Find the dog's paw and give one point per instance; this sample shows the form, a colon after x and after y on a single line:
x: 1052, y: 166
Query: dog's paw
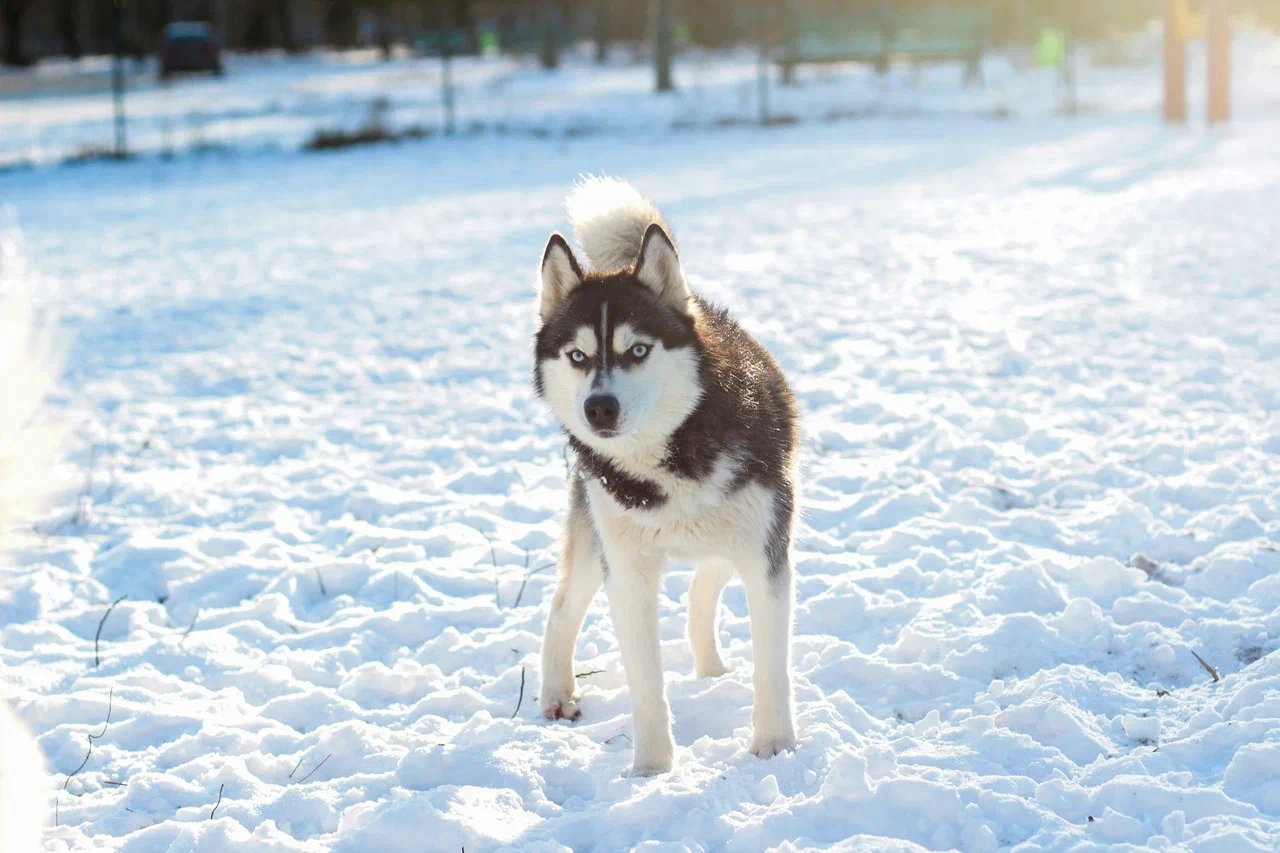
x: 561, y: 708
x: 715, y: 669
x: 767, y: 746
x: 641, y: 771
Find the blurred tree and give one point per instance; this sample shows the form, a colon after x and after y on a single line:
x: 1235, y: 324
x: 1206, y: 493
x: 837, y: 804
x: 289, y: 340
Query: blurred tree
x: 68, y: 24
x: 282, y: 12
x: 257, y: 28
x: 382, y: 13
x: 714, y: 23
x: 340, y: 23
x: 14, y: 17
x: 600, y: 29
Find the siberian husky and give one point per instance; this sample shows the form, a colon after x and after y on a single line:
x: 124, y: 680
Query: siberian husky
x: 683, y: 437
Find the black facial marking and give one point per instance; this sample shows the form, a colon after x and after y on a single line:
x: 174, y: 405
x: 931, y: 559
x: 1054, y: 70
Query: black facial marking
x: 629, y: 302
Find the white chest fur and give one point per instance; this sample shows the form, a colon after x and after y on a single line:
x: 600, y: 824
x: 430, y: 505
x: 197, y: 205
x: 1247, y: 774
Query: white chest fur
x: 699, y: 518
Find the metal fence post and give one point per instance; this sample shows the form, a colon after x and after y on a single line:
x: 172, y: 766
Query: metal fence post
x: 662, y: 38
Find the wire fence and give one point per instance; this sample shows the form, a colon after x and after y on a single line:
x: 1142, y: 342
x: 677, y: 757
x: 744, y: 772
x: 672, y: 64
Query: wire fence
x: 65, y: 112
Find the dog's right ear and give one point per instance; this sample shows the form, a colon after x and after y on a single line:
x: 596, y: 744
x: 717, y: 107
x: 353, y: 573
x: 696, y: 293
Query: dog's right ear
x: 560, y: 275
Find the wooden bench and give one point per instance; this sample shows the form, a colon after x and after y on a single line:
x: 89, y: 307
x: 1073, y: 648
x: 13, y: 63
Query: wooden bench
x: 444, y: 42
x: 881, y: 35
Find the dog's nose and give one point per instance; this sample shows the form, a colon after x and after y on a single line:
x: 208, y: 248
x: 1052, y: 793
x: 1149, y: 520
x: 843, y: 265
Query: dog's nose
x: 601, y: 411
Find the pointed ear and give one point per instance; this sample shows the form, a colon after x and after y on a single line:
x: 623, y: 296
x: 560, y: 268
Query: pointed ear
x: 658, y: 268
x: 560, y: 274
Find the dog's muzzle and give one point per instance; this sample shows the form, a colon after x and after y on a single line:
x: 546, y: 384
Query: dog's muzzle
x: 601, y: 411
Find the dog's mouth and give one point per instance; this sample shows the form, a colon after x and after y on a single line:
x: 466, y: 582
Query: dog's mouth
x: 606, y: 433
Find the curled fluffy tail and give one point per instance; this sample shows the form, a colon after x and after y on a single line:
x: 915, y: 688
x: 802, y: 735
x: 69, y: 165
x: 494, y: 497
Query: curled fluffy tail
x: 609, y: 218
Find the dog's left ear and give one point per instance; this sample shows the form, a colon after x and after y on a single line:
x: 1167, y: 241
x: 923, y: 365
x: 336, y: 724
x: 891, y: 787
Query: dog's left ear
x: 658, y: 268
x: 560, y: 274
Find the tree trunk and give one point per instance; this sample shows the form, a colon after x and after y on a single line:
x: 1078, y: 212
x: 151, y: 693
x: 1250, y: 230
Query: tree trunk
x: 602, y: 31
x: 15, y: 13
x: 283, y: 13
x: 69, y: 28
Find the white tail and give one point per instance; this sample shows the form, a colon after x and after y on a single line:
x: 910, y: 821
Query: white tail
x: 609, y: 218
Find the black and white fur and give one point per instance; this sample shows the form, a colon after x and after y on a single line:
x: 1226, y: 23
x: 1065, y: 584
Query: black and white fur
x: 683, y: 433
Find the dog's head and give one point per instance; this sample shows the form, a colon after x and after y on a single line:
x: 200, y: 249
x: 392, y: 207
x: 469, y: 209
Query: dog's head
x: 617, y: 359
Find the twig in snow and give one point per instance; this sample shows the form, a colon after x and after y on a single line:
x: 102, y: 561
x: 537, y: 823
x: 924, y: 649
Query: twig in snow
x: 320, y: 580
x: 618, y: 735
x: 115, y: 784
x: 590, y: 672
x: 493, y: 557
x: 295, y: 768
x: 520, y: 699
x: 98, y: 635
x: 528, y: 574
x: 219, y: 802
x: 1207, y: 667
x: 314, y: 769
x: 111, y: 697
x: 189, y: 627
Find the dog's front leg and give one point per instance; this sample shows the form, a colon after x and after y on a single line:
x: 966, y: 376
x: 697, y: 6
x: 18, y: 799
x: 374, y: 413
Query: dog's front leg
x: 581, y: 567
x: 632, y: 582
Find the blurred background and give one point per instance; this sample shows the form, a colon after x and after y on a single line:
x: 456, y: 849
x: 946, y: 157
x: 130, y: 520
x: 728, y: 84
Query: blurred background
x: 90, y: 79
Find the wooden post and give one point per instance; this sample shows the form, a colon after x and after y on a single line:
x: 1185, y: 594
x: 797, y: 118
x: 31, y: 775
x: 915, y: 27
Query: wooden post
x: 662, y: 39
x: 549, y: 50
x: 1218, y: 50
x: 445, y: 21
x: 117, y: 78
x: 1175, y: 67
x: 602, y: 31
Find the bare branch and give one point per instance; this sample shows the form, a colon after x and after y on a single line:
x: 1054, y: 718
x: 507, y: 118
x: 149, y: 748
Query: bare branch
x: 520, y: 700
x: 219, y: 802
x: 97, y: 636
x: 314, y: 769
x: 111, y: 696
x: 1207, y: 667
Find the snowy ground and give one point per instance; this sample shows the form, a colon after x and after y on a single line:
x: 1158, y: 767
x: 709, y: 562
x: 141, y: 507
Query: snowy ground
x: 1039, y: 366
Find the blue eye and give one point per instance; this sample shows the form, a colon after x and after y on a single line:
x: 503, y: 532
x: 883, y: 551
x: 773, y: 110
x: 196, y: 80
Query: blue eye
x: 577, y: 356
x: 640, y: 350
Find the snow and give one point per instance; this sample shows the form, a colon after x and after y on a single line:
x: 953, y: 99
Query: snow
x: 1037, y: 362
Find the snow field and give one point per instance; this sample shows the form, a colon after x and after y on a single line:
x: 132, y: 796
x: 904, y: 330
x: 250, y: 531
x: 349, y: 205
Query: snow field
x: 1037, y: 366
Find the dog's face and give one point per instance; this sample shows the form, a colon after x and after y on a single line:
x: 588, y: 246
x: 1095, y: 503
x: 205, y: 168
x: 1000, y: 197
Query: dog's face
x: 616, y: 357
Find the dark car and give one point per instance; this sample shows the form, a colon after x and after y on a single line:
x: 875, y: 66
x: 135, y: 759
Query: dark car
x: 189, y: 46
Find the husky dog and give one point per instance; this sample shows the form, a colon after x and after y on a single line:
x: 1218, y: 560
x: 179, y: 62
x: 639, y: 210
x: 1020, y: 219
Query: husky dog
x: 683, y: 433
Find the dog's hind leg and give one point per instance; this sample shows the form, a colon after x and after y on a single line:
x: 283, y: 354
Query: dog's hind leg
x: 768, y: 577
x: 709, y: 578
x: 769, y: 599
x: 581, y: 572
